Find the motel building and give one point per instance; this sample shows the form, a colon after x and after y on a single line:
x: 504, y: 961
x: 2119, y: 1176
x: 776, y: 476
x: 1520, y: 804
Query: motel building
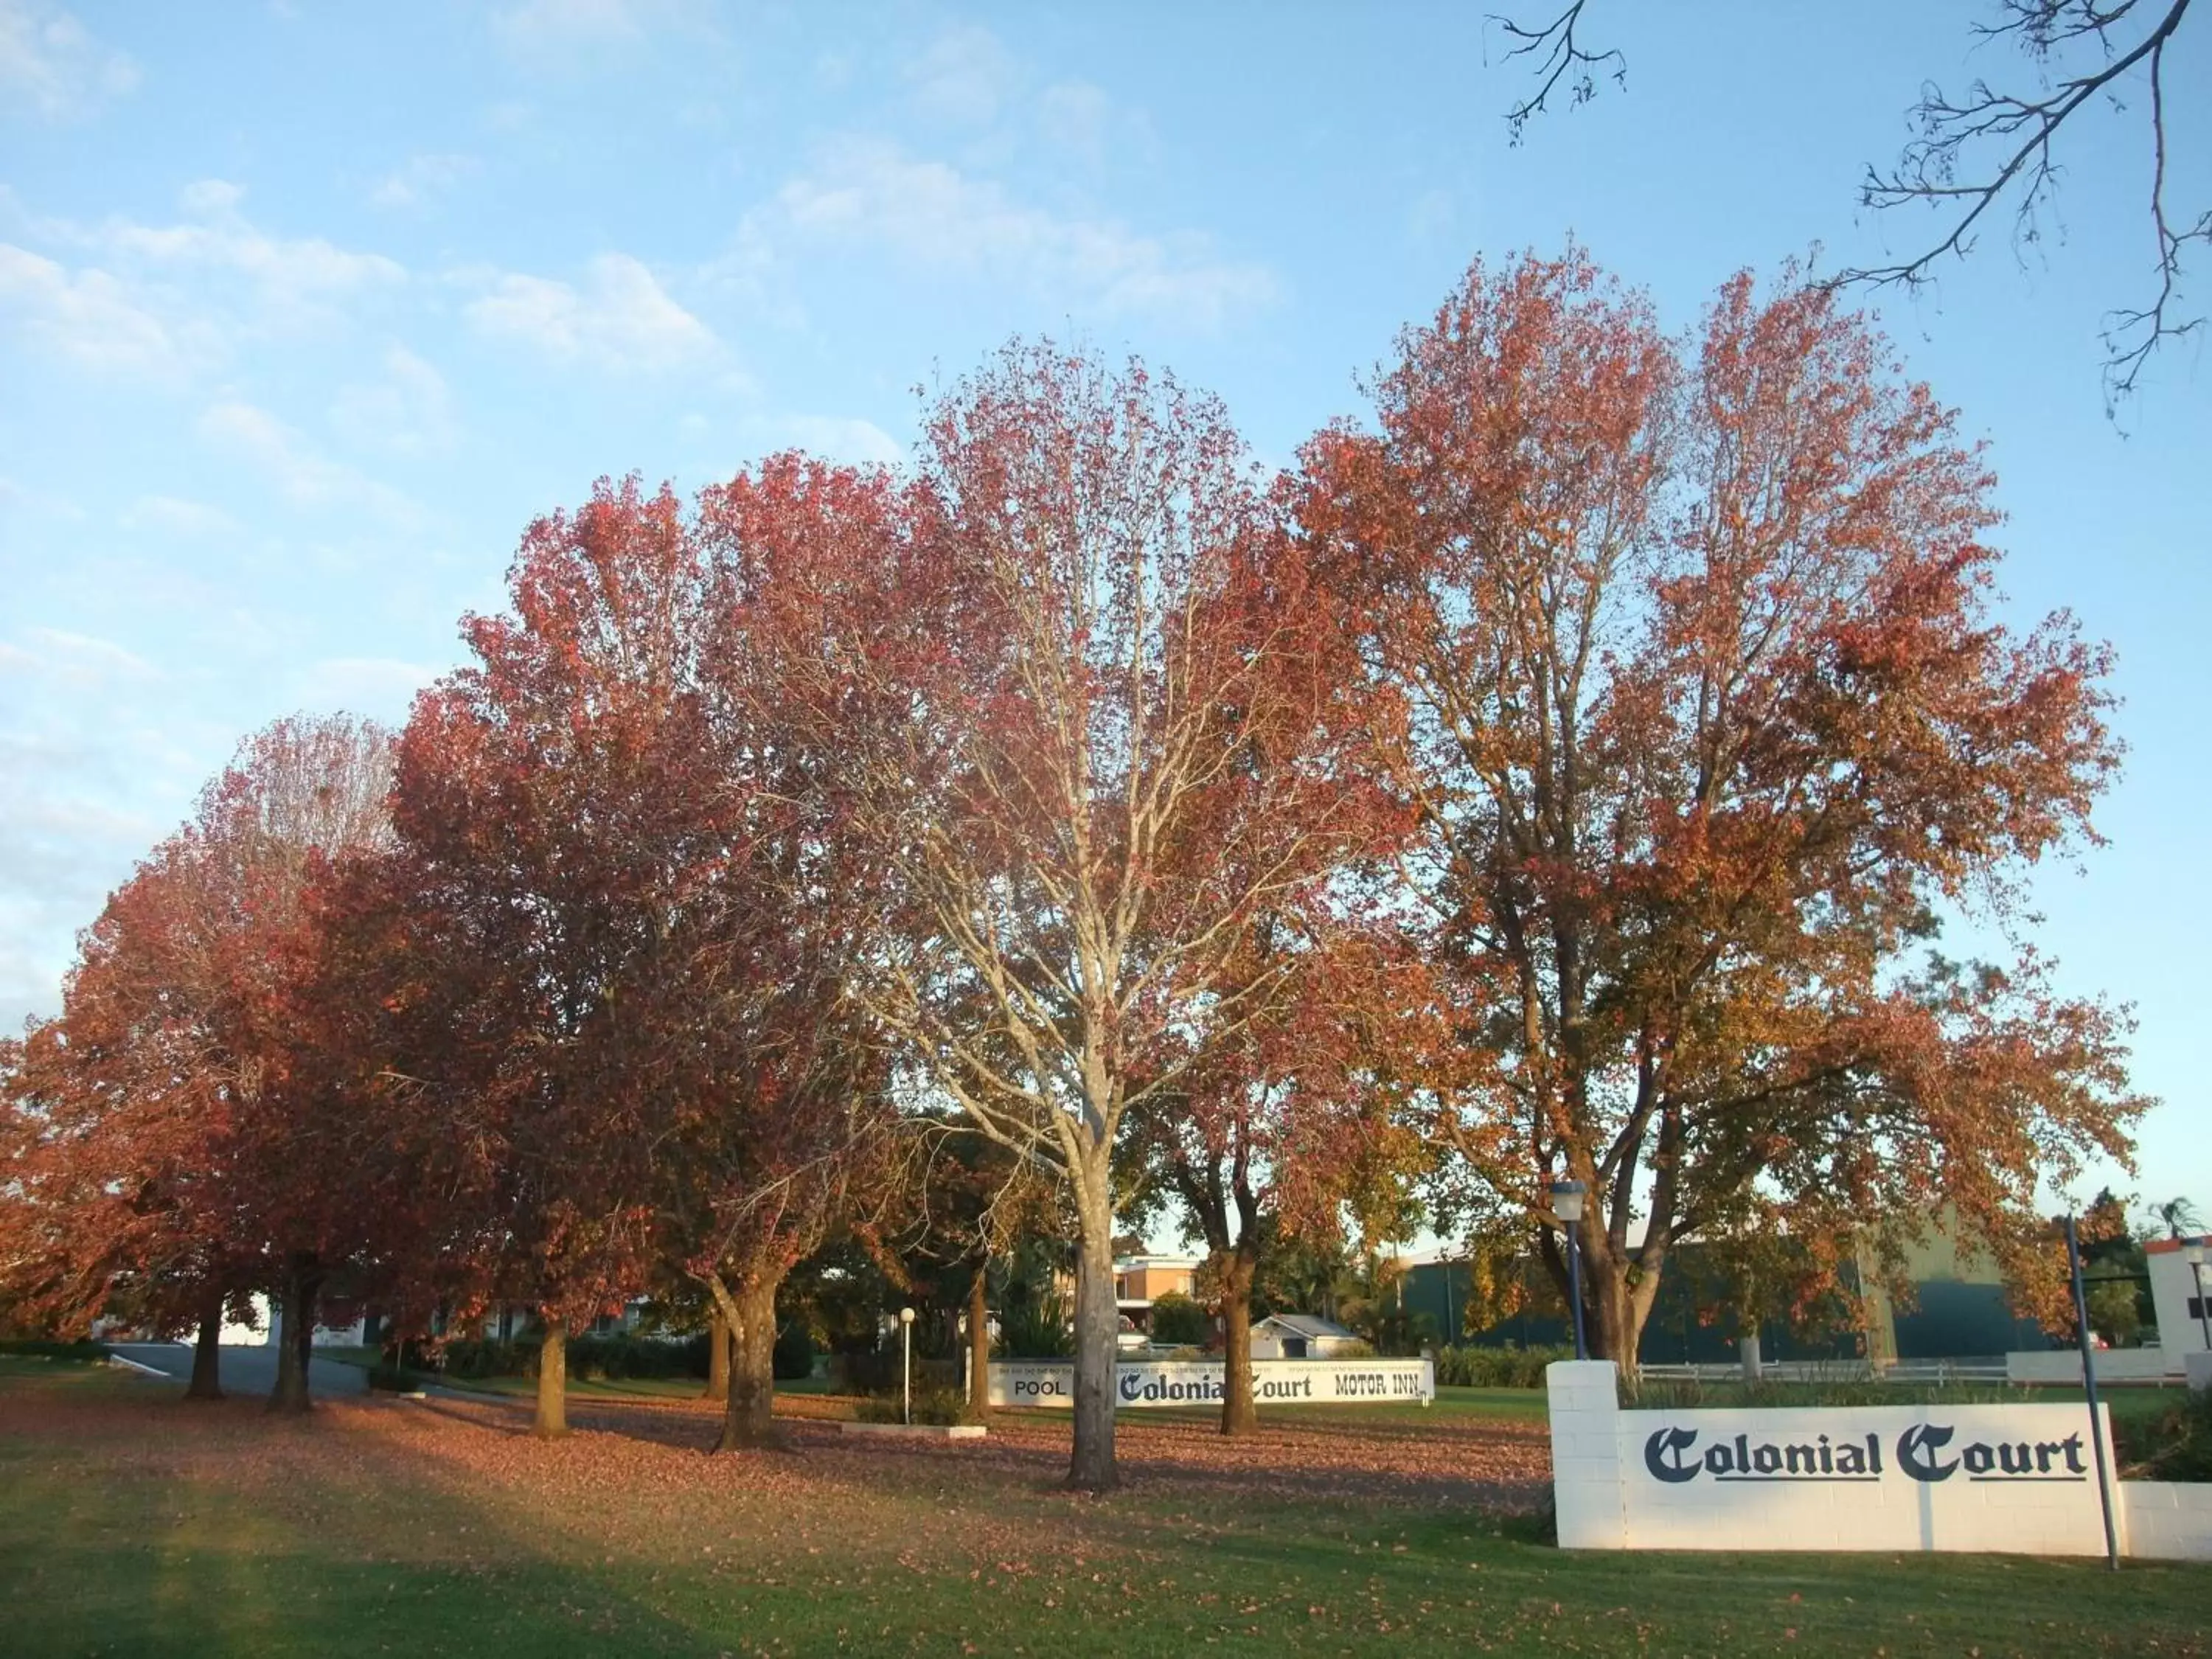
x: 1141, y: 1281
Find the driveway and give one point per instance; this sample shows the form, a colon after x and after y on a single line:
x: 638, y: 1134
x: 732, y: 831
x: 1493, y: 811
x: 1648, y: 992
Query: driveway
x: 245, y: 1371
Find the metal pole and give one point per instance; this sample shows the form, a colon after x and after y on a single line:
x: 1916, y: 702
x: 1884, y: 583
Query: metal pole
x: 906, y: 1371
x: 2089, y: 1386
x: 2203, y: 1313
x: 1575, y: 1276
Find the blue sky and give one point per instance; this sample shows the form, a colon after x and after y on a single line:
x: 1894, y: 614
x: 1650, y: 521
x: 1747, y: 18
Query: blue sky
x: 306, y: 311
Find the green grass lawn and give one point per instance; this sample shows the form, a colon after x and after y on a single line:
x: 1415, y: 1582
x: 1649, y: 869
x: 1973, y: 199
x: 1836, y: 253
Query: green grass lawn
x: 132, y: 1524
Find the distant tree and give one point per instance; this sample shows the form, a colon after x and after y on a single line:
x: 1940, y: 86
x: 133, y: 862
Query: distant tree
x: 1994, y: 151
x: 1292, y: 1129
x: 1709, y: 717
x: 2177, y: 1218
x: 2113, y: 1313
x: 1179, y: 1323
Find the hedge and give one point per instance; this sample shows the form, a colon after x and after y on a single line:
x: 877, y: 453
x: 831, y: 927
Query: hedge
x: 1495, y: 1368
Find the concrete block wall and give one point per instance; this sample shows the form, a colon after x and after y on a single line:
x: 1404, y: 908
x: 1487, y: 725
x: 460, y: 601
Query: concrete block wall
x: 2064, y: 1366
x: 2199, y: 1370
x: 1585, y: 1406
x: 2166, y: 1520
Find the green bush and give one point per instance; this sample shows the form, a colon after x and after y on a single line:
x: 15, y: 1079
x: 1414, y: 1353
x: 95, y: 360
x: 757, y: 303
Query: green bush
x: 2175, y: 1444
x: 396, y: 1379
x: 35, y: 1348
x: 1178, y: 1322
x: 624, y: 1358
x: 794, y: 1358
x: 934, y: 1405
x: 464, y: 1360
x: 1505, y: 1367
x: 1036, y: 1328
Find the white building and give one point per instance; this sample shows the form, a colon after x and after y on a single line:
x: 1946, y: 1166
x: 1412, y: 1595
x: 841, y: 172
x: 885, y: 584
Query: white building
x: 2179, y: 1295
x: 1301, y: 1336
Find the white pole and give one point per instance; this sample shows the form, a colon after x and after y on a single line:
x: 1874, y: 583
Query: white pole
x: 906, y: 1366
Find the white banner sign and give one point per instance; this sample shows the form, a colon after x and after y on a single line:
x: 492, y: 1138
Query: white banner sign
x: 1139, y: 1384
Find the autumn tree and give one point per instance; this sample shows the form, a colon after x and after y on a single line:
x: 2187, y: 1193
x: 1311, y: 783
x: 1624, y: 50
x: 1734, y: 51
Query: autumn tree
x: 1061, y: 655
x: 626, y: 886
x: 1712, y: 721
x: 550, y: 804
x: 1293, y: 1127
x: 178, y: 1152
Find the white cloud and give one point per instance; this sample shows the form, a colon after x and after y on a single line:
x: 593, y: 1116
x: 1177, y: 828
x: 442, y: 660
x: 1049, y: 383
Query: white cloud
x: 51, y: 65
x: 381, y: 688
x: 408, y: 413
x: 304, y: 477
x: 619, y: 318
x: 416, y: 179
x: 868, y: 190
x: 288, y: 274
x: 587, y: 35
x: 163, y: 300
x: 1431, y: 215
x: 539, y: 25
x: 89, y: 318
x: 961, y: 77
x: 78, y: 661
x: 835, y: 437
x: 179, y: 517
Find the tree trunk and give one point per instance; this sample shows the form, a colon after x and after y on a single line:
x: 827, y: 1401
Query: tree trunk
x: 296, y: 1342
x: 207, y: 1354
x: 1091, y: 1468
x: 979, y: 1339
x: 718, y: 1358
x: 1239, y: 1414
x: 1613, y: 1314
x: 749, y: 1416
x: 552, y: 1419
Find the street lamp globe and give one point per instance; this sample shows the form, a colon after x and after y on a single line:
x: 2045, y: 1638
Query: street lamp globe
x: 906, y: 1316
x: 1567, y: 1206
x: 2193, y: 1255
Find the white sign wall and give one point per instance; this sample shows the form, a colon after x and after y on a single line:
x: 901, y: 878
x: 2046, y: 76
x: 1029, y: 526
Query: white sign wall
x: 2011, y: 1478
x: 1156, y: 1384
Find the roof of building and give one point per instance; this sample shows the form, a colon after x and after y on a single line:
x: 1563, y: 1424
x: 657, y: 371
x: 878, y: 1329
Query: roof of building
x: 1306, y: 1325
x: 1123, y: 1264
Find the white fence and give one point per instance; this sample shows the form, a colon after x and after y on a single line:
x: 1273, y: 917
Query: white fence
x: 2018, y: 1479
x: 1159, y: 1384
x: 1922, y: 1372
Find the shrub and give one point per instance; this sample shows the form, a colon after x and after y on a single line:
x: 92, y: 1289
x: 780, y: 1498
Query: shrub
x: 2175, y: 1444
x: 36, y: 1348
x: 396, y: 1379
x: 877, y: 1370
x: 622, y: 1357
x: 795, y: 1353
x: 466, y: 1359
x: 1036, y: 1328
x: 1496, y: 1368
x: 1178, y: 1322
x: 934, y: 1405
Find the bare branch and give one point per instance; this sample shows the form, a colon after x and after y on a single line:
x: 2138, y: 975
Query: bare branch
x: 1560, y: 56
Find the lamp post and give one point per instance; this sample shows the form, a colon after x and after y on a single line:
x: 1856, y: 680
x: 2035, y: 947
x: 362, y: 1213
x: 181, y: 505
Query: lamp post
x: 906, y: 1365
x: 1567, y: 1205
x: 2193, y: 1255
